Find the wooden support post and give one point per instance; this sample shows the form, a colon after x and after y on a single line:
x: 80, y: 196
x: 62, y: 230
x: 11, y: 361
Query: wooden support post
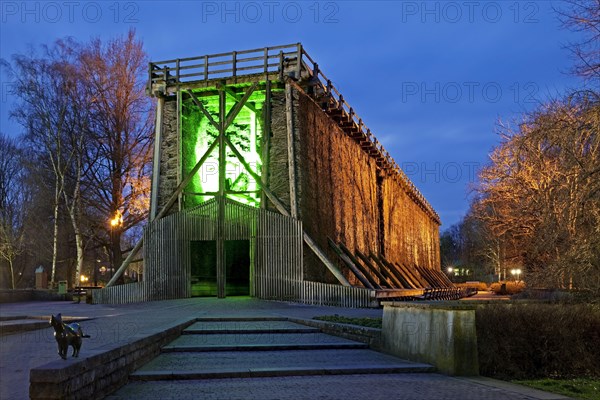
x: 179, y: 146
x: 205, y: 68
x: 266, y: 63
x: 281, y: 65
x: 234, y: 66
x: 323, y: 257
x: 299, y: 62
x: 397, y: 273
x: 160, y: 104
x: 289, y: 117
x: 385, y: 270
x: 361, y: 267
x: 371, y: 267
x: 266, y: 142
x: 149, y: 85
x: 221, y: 273
x: 359, y: 275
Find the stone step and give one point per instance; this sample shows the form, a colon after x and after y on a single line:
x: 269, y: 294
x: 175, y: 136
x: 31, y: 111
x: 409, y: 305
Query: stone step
x: 348, y: 387
x: 229, y: 364
x: 240, y: 319
x: 259, y: 342
x: 242, y: 327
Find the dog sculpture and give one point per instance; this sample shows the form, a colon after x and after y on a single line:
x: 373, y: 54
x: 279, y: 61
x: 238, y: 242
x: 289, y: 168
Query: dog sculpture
x: 67, y: 335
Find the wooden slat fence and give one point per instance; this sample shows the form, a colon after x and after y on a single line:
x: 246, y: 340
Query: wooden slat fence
x: 277, y: 260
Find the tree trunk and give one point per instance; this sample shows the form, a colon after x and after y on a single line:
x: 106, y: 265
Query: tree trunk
x: 116, y: 253
x: 12, y: 273
x: 55, y: 234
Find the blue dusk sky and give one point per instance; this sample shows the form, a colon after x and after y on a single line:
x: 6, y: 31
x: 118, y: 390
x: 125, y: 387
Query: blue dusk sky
x: 431, y: 79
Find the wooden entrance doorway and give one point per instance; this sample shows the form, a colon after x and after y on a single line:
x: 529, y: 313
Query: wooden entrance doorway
x: 204, y: 268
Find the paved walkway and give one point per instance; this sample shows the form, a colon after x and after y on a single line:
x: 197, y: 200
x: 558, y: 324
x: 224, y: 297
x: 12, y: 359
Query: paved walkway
x: 20, y: 352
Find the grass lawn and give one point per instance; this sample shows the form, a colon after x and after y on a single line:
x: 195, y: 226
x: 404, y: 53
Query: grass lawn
x: 579, y: 388
x: 368, y: 322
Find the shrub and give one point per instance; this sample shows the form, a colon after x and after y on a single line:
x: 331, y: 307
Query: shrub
x: 479, y: 286
x: 512, y: 287
x: 525, y: 341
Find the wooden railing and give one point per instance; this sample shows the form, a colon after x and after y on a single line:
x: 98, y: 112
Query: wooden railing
x: 280, y: 61
x: 267, y: 61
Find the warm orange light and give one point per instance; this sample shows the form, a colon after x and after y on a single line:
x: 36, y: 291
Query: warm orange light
x: 117, y: 220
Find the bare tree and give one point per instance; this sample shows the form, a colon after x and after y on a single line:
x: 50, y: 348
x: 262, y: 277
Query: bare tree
x: 121, y: 135
x: 541, y: 192
x: 583, y: 16
x: 53, y: 112
x: 13, y: 196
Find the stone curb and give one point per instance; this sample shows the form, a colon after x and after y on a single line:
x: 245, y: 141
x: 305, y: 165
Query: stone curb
x: 279, y: 372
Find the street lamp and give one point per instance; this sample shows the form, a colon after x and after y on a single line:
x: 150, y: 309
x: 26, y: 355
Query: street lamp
x: 114, y: 223
x: 517, y: 272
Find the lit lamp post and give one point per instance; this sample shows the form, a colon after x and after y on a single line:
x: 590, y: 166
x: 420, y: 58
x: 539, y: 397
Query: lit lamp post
x: 450, y: 273
x: 82, y: 282
x: 98, y: 261
x: 114, y: 223
x: 516, y: 272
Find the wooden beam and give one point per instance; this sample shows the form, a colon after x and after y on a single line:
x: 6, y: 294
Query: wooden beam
x: 289, y: 117
x: 237, y: 97
x: 199, y: 104
x: 408, y: 274
x: 350, y: 265
x: 375, y: 271
x: 156, y: 157
x: 362, y: 269
x: 221, y: 198
x: 397, y: 273
x: 325, y: 260
x: 385, y: 270
x: 266, y: 142
x: 238, y: 107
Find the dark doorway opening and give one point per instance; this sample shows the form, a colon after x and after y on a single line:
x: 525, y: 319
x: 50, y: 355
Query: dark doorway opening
x: 204, y: 267
x: 237, y: 267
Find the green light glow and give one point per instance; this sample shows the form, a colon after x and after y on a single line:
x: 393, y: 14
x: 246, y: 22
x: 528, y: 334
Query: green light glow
x: 198, y: 134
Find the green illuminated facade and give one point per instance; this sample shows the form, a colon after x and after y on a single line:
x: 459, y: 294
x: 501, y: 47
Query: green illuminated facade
x: 198, y: 134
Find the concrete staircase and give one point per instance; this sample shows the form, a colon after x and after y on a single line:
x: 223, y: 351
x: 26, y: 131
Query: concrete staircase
x: 213, y: 349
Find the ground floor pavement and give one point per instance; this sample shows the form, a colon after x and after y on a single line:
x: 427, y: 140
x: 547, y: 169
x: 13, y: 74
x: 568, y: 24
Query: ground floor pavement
x: 110, y: 324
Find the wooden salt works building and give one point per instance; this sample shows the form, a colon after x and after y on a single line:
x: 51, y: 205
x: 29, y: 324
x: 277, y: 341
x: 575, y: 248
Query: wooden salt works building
x: 267, y: 183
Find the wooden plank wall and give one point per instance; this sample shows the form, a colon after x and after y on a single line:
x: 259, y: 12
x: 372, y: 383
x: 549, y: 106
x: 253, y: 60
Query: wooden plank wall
x: 411, y: 236
x: 339, y: 198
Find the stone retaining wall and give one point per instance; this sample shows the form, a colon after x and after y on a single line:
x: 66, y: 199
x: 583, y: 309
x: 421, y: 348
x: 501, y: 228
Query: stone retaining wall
x: 363, y: 334
x: 21, y: 295
x: 104, y: 371
x: 441, y: 334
